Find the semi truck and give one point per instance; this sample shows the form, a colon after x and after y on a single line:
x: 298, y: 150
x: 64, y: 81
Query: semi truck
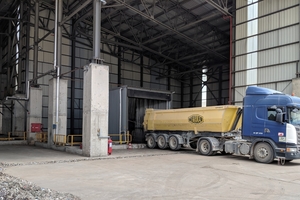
x: 264, y: 128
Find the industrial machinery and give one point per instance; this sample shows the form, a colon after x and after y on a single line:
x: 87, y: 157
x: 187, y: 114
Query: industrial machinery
x: 266, y: 128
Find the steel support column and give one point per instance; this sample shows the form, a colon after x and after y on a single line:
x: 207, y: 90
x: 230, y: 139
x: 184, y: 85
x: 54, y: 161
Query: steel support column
x: 9, y: 47
x: 191, y: 89
x: 20, y: 47
x: 119, y: 66
x: 97, y: 31
x: 220, y: 85
x: 36, y: 45
x: 142, y: 70
x: 73, y: 61
x: 181, y: 93
x: 1, y: 53
x: 169, y: 79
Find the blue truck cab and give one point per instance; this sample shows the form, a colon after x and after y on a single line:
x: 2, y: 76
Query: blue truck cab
x: 271, y: 124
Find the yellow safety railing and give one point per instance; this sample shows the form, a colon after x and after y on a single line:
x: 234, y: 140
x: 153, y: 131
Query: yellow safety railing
x: 60, y: 139
x: 20, y: 135
x: 8, y: 138
x: 120, y: 140
x: 42, y: 137
x: 71, y: 139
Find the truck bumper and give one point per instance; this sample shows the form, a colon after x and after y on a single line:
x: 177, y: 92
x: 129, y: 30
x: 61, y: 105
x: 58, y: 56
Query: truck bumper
x: 289, y: 153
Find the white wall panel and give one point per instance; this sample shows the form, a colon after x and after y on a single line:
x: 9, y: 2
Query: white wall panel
x: 240, y: 63
x: 240, y: 78
x: 288, y: 17
x: 241, y: 31
x: 268, y: 40
x: 268, y: 23
x: 276, y: 73
x: 285, y: 87
x: 286, y: 4
x: 239, y: 93
x: 241, y: 47
x: 268, y: 6
x: 288, y: 35
x: 289, y: 53
x: 241, y: 3
x: 241, y: 15
x: 268, y: 57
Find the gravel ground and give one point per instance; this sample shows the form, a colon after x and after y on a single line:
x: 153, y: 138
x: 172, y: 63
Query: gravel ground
x: 17, y: 189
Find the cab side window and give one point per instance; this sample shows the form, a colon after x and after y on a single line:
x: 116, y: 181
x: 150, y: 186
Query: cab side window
x: 271, y: 114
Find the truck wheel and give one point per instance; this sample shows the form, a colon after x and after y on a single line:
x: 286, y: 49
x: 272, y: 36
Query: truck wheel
x: 263, y: 153
x: 162, y: 142
x: 174, y: 143
x: 151, y: 144
x: 205, y: 148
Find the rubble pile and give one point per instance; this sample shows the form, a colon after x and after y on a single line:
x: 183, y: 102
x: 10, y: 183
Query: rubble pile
x: 15, y: 188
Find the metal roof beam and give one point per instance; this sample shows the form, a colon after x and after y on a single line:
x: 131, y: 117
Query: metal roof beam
x: 75, y: 11
x: 169, y: 28
x: 223, y: 10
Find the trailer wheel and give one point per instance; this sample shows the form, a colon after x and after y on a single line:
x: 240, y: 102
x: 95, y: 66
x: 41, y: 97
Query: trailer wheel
x: 263, y: 153
x: 162, y: 141
x: 205, y: 148
x: 174, y: 143
x: 151, y: 144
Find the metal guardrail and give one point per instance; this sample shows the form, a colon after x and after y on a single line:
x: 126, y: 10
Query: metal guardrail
x: 70, y: 139
x: 42, y: 137
x: 60, y: 139
x: 17, y: 135
x: 121, y: 138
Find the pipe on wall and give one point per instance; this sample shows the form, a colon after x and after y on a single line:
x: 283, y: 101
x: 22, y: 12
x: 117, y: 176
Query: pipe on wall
x: 36, y: 40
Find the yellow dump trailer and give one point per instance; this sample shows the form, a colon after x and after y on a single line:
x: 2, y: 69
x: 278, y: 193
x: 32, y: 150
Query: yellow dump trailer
x: 207, y: 127
x: 201, y: 119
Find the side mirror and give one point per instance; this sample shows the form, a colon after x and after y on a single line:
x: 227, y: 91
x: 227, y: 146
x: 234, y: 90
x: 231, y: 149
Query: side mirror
x: 279, y: 117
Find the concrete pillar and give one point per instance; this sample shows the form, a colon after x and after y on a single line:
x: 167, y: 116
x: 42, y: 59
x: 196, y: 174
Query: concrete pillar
x: 34, y: 112
x: 6, y: 117
x: 19, y: 114
x: 95, y: 110
x: 61, y: 127
x: 296, y: 86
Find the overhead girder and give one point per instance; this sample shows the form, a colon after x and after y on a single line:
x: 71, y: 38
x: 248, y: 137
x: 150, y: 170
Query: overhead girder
x: 220, y: 5
x: 170, y: 28
x: 130, y: 41
x: 181, y: 26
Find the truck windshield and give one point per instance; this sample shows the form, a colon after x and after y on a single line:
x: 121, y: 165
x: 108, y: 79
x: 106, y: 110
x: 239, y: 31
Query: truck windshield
x: 294, y: 116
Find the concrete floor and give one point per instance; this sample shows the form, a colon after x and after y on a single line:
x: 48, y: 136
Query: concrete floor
x: 153, y: 174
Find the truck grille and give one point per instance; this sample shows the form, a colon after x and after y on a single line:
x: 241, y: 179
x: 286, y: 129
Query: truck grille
x: 298, y: 136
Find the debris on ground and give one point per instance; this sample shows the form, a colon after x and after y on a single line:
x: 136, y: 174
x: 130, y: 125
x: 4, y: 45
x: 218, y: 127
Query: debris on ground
x: 12, y: 188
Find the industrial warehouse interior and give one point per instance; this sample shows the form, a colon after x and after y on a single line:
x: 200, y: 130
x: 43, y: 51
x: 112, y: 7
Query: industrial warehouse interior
x: 134, y: 90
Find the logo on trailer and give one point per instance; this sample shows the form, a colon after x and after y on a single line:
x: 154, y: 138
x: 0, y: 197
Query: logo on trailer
x: 196, y: 119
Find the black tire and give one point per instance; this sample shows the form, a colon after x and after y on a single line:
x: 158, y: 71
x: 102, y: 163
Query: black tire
x: 193, y: 145
x: 174, y: 143
x: 205, y: 148
x: 151, y: 144
x: 162, y: 142
x: 263, y: 153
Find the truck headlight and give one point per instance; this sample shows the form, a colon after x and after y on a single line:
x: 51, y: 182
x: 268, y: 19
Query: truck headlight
x: 291, y: 149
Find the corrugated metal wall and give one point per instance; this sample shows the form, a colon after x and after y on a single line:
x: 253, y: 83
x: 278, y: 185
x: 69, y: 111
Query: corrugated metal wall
x: 266, y: 45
